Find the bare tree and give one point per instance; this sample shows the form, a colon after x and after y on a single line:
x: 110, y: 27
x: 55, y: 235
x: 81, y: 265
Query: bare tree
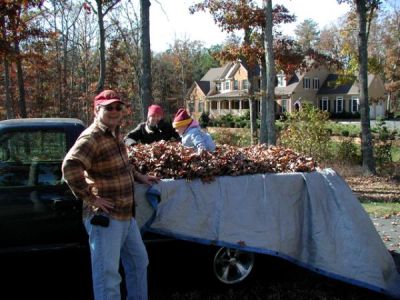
x: 145, y: 82
x: 103, y: 7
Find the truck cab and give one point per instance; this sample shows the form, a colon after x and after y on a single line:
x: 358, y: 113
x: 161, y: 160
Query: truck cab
x: 37, y: 209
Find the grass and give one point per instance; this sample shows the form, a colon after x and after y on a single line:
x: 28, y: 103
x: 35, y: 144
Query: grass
x: 339, y: 128
x: 396, y: 153
x: 381, y: 209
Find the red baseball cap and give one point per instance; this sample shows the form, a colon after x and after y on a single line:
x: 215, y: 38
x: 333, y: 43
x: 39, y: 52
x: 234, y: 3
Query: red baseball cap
x: 154, y: 110
x: 107, y: 97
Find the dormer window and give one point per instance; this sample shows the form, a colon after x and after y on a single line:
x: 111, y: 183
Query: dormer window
x: 281, y: 80
x: 218, y: 86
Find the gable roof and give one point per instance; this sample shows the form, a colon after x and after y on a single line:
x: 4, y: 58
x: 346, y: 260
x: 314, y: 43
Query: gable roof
x: 328, y: 88
x: 350, y: 87
x: 204, y: 86
x: 215, y: 73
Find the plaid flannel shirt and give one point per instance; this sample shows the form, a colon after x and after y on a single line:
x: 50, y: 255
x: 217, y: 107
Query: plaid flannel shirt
x: 98, y: 165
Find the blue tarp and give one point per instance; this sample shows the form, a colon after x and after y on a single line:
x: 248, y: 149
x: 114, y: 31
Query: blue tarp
x: 311, y: 219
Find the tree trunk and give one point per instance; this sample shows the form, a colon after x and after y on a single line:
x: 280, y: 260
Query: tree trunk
x: 270, y: 73
x: 253, y: 107
x: 145, y: 78
x: 252, y: 100
x: 9, y: 105
x: 58, y: 89
x: 102, y: 48
x: 20, y: 80
x: 368, y: 161
x: 263, y: 117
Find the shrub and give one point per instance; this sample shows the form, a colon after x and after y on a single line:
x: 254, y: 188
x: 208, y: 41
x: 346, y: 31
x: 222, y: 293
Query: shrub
x: 345, y: 133
x: 237, y: 137
x: 306, y: 132
x: 347, y: 152
x: 204, y: 119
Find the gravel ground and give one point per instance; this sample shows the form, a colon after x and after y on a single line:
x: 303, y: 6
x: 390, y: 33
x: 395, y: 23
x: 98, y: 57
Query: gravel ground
x: 389, y: 230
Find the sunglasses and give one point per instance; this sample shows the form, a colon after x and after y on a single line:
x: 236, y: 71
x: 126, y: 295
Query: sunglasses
x: 117, y: 107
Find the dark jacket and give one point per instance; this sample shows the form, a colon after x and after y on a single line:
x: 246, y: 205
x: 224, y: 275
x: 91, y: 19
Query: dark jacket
x: 164, y: 131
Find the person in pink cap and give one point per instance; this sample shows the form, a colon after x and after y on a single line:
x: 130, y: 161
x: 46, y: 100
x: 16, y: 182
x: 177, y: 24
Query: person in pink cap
x: 98, y: 172
x: 154, y: 129
x: 191, y: 134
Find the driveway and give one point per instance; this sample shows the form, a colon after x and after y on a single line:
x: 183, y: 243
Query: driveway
x: 389, y: 230
x: 389, y: 124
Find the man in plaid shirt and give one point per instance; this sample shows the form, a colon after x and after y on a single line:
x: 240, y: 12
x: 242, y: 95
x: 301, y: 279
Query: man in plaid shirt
x: 98, y: 172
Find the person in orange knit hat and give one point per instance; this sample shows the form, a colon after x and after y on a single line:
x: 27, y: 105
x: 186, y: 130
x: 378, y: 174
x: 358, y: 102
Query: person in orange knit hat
x: 154, y: 129
x: 191, y: 134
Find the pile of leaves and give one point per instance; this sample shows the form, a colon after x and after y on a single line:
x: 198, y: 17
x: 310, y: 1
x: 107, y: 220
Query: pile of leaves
x: 172, y: 160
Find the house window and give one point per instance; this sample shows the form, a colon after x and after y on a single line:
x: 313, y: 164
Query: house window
x: 245, y: 84
x: 316, y: 83
x: 339, y: 104
x: 245, y: 104
x: 284, y: 105
x: 354, y: 104
x: 281, y: 80
x: 201, y: 107
x: 324, y: 104
x: 191, y: 106
x: 236, y: 85
x: 227, y: 85
x: 235, y: 104
x: 258, y: 88
x: 306, y: 83
x: 218, y: 86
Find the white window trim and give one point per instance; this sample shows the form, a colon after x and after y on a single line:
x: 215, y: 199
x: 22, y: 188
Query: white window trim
x: 315, y: 79
x: 306, y: 83
x: 355, y: 98
x: 281, y: 80
x: 325, y: 101
x: 337, y: 101
x: 235, y: 85
x: 245, y: 84
x: 284, y: 105
x: 227, y: 82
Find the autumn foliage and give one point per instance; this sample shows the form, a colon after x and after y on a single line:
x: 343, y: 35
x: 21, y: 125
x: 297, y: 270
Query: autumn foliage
x: 172, y: 160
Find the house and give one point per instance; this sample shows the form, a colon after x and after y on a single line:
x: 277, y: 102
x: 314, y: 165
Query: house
x: 344, y: 98
x: 224, y: 91
x: 221, y: 91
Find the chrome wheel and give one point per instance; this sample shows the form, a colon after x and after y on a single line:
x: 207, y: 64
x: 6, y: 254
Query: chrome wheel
x: 232, y: 265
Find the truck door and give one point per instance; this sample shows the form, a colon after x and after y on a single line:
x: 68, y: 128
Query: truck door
x: 37, y: 208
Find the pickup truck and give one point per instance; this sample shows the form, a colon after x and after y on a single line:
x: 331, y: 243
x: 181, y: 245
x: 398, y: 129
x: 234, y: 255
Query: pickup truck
x: 37, y: 209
